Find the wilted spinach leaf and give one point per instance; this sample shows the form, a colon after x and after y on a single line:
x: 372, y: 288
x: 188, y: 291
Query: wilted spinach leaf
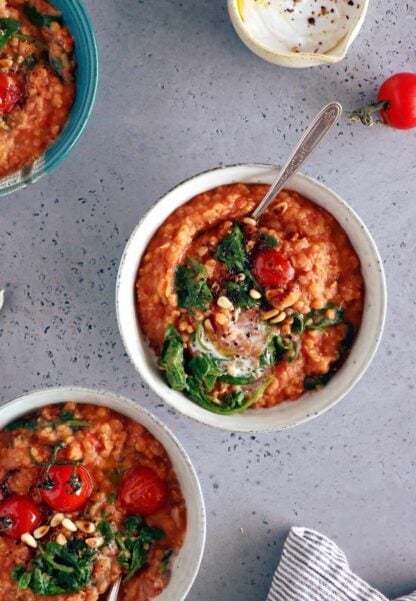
x: 205, y: 370
x: 8, y: 27
x: 239, y: 294
x: 171, y: 359
x: 37, y: 18
x: 134, y: 544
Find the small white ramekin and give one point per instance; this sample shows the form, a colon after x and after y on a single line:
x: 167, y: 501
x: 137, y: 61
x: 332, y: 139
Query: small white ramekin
x: 285, y: 414
x: 186, y: 565
x: 295, y: 59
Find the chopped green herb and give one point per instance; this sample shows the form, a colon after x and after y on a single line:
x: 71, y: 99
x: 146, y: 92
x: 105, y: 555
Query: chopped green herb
x: 164, y: 564
x: 134, y: 544
x: 231, y: 251
x: 317, y: 319
x: 298, y: 324
x: 276, y: 348
x: 204, y: 370
x: 37, y: 18
x: 238, y: 293
x: 237, y: 380
x: 268, y: 241
x: 28, y: 38
x: 30, y: 62
x: 8, y: 28
x: 106, y: 532
x: 172, y: 360
x: 57, y: 569
x: 234, y: 400
x: 33, y: 423
x: 191, y: 286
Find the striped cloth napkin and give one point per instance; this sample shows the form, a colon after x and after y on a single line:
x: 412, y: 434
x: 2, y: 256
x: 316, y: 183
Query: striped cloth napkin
x: 313, y: 568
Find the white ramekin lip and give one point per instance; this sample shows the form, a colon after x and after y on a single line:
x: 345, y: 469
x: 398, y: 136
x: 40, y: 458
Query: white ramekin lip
x: 187, y: 563
x: 286, y: 414
x: 295, y: 59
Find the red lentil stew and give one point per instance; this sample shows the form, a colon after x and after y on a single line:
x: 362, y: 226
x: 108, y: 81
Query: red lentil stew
x: 37, y: 87
x: 245, y: 313
x: 86, y: 496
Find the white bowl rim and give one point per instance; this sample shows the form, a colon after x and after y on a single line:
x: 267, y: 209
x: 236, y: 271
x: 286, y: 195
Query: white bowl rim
x: 236, y: 423
x: 317, y: 57
x: 194, y: 540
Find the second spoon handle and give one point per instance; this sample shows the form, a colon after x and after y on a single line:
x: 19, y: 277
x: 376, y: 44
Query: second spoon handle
x: 317, y: 130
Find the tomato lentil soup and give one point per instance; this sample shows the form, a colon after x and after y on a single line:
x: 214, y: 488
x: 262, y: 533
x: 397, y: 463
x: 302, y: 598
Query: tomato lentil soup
x: 110, y: 505
x: 244, y: 313
x: 37, y: 87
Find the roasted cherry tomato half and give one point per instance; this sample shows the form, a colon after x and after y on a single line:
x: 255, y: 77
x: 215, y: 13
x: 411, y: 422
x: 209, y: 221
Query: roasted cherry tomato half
x: 142, y: 491
x: 11, y: 92
x: 18, y: 514
x: 272, y: 268
x: 64, y: 489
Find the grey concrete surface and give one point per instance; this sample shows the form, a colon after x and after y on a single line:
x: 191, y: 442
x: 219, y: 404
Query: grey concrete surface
x: 179, y: 93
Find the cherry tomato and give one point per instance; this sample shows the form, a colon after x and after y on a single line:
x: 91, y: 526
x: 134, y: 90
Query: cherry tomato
x: 63, y: 495
x: 18, y: 514
x: 142, y: 491
x: 400, y: 92
x: 273, y: 268
x: 11, y: 91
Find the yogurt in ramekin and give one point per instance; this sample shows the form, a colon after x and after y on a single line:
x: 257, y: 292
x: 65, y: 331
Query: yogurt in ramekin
x: 298, y: 33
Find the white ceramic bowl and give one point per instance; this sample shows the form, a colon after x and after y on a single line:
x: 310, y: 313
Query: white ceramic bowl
x: 295, y: 59
x: 186, y: 564
x: 310, y: 404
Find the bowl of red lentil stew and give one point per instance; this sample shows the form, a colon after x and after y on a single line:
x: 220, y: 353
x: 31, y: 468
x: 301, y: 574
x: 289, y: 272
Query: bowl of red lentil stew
x: 94, y: 489
x: 251, y: 325
x: 48, y: 83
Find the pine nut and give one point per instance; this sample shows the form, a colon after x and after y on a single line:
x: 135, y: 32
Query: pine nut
x: 41, y: 531
x: 269, y: 314
x: 279, y: 318
x: 208, y: 325
x: 330, y: 314
x: 69, y: 525
x: 250, y: 221
x: 241, y: 277
x: 254, y: 293
x: 28, y: 540
x: 94, y: 542
x: 232, y: 371
x: 225, y: 303
x: 85, y: 526
x: 57, y: 520
x: 61, y: 539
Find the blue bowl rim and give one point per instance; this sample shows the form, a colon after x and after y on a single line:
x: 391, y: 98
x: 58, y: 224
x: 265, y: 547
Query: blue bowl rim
x: 90, y: 96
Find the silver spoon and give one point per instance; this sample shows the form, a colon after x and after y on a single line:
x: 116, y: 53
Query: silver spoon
x: 313, y: 136
x: 113, y: 594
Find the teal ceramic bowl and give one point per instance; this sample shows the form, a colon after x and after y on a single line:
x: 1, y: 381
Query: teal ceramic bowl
x: 77, y: 19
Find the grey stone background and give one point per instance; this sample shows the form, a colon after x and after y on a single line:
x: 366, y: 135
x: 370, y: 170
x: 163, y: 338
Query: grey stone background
x: 179, y: 93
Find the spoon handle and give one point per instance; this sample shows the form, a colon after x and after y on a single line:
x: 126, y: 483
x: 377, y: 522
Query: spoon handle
x: 113, y: 594
x: 317, y: 130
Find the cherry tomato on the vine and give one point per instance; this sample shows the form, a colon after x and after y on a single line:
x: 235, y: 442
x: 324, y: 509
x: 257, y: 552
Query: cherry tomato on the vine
x: 400, y: 92
x: 67, y: 490
x: 18, y: 514
x: 273, y: 268
x: 396, y: 103
x: 142, y: 491
x: 11, y: 92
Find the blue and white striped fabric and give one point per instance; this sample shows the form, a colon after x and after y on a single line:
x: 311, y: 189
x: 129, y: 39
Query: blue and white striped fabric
x: 313, y: 568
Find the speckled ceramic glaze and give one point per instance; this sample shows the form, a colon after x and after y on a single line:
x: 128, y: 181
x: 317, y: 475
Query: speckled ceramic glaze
x: 186, y: 564
x: 310, y: 404
x: 77, y: 19
x: 295, y: 59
